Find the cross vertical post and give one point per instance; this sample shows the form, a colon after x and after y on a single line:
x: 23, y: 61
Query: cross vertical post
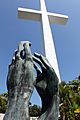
x: 49, y: 48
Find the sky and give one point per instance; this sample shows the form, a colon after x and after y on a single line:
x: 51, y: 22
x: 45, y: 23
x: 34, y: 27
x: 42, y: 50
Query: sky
x: 66, y: 38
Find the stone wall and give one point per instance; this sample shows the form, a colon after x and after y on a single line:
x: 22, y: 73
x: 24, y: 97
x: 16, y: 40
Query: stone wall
x: 31, y: 118
x: 1, y: 116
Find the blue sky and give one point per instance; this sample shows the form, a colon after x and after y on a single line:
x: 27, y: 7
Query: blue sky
x: 67, y: 38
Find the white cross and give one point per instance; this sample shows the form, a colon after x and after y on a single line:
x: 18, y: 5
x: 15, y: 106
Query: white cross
x: 46, y: 18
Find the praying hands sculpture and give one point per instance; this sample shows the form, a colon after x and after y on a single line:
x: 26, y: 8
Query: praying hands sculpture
x: 47, y: 87
x: 21, y: 82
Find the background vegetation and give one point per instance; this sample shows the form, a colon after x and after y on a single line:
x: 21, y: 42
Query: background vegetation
x: 69, y: 101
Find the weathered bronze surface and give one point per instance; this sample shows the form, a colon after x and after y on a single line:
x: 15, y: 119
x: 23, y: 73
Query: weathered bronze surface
x: 47, y: 87
x: 20, y: 83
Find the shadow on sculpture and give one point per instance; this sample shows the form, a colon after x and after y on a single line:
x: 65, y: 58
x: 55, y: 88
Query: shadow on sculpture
x: 47, y: 87
x: 20, y: 83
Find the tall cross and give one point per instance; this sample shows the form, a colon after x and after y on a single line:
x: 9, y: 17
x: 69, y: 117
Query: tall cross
x: 46, y: 18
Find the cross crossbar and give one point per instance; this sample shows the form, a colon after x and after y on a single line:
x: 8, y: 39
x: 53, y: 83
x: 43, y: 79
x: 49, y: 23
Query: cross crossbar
x: 29, y: 14
x: 36, y: 15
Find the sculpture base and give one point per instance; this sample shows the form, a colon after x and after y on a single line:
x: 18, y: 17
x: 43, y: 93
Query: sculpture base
x: 2, y: 116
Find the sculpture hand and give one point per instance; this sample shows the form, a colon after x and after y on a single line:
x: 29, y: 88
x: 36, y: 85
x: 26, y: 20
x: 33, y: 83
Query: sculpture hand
x: 46, y: 82
x: 20, y: 83
x: 18, y: 67
x: 46, y: 74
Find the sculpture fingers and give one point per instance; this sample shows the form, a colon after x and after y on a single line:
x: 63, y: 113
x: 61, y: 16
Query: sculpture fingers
x: 10, y: 77
x: 14, y: 57
x: 37, y: 60
x: 20, y: 48
x: 43, y: 60
x: 27, y: 50
x: 37, y: 69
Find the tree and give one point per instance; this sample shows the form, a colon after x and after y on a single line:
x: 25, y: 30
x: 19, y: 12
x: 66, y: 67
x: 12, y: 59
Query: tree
x: 34, y: 110
x: 70, y: 97
x: 3, y: 102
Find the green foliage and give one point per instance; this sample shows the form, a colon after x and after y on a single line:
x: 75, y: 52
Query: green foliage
x: 34, y: 110
x: 3, y: 102
x: 70, y: 97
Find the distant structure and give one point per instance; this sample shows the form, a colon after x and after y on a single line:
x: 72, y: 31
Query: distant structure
x: 46, y: 18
